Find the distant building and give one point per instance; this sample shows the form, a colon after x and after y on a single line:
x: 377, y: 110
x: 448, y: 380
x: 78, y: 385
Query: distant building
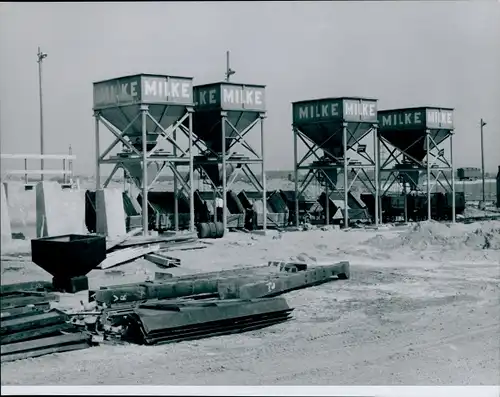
x: 468, y: 173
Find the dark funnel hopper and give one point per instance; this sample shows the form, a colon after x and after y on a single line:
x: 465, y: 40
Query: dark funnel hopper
x: 322, y: 121
x: 406, y: 129
x: 207, y: 125
x: 329, y: 135
x: 68, y: 256
x: 412, y: 142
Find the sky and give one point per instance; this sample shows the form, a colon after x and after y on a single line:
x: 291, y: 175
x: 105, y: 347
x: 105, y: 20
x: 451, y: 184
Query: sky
x: 404, y: 54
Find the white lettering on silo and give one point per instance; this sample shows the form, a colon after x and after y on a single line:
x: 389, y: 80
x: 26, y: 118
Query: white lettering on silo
x: 174, y: 89
x: 211, y: 97
x: 303, y: 112
x: 228, y: 95
x: 133, y: 86
x: 258, y: 97
x: 150, y: 87
x: 386, y: 120
x: 185, y: 90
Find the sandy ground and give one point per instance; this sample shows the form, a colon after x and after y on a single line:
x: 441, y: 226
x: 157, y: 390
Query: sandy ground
x: 421, y: 308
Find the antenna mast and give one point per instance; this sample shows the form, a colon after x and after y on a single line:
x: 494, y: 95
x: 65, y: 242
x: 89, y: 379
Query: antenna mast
x: 229, y: 71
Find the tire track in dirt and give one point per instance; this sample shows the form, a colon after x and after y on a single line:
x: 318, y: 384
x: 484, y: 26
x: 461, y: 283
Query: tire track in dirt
x: 388, y: 350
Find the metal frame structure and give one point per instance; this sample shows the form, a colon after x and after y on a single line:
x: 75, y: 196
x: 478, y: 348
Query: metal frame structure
x: 422, y: 151
x: 66, y: 171
x: 225, y: 114
x: 151, y: 109
x: 336, y: 126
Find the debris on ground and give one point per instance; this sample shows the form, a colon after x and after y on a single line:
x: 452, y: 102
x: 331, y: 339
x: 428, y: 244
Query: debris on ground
x: 163, y: 260
x: 29, y: 328
x: 131, y: 247
x: 17, y: 299
x: 158, y: 322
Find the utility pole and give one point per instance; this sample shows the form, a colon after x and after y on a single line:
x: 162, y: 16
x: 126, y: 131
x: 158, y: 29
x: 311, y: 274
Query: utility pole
x: 482, y: 160
x: 41, y: 56
x: 229, y: 71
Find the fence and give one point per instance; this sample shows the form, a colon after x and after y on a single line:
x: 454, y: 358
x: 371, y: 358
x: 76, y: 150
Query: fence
x: 66, y: 171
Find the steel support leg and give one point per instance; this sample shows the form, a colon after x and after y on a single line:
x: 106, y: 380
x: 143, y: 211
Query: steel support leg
x: 378, y: 198
x: 263, y: 173
x: 144, y: 114
x: 453, y: 209
x: 191, y: 173
x: 176, y: 189
x: 97, y: 154
x: 346, y: 180
x: 327, y: 205
x: 428, y: 147
x: 406, y: 201
x: 376, y: 156
x: 296, y: 176
x: 224, y: 176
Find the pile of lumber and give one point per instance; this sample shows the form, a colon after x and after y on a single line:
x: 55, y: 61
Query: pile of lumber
x: 29, y: 328
x: 26, y: 297
x: 131, y: 247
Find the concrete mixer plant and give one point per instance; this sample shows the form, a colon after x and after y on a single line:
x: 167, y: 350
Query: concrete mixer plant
x: 163, y: 124
x: 414, y: 140
x: 339, y: 128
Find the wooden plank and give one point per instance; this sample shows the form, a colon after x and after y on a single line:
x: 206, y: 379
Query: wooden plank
x: 35, y: 333
x: 43, y: 352
x: 126, y: 255
x: 23, y: 311
x: 112, y: 244
x: 42, y: 343
x: 143, y: 240
x: 163, y: 260
x: 29, y: 286
x: 19, y: 301
x: 186, y: 247
x: 9, y: 326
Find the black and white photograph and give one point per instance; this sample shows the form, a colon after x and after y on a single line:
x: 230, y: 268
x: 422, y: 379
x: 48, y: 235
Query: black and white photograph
x: 250, y: 198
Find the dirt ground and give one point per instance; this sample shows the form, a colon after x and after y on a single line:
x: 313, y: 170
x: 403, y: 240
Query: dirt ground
x: 421, y: 308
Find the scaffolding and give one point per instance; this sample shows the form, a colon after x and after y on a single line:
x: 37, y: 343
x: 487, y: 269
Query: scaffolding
x: 337, y: 127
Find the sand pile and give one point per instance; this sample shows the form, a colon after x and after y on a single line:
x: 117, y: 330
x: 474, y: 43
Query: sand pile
x: 446, y: 237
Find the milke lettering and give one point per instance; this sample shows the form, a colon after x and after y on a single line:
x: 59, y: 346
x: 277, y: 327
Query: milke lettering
x: 247, y: 96
x: 437, y: 117
x: 118, y: 92
x: 359, y: 109
x: 207, y: 97
x: 318, y: 111
x: 407, y: 118
x: 166, y: 88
